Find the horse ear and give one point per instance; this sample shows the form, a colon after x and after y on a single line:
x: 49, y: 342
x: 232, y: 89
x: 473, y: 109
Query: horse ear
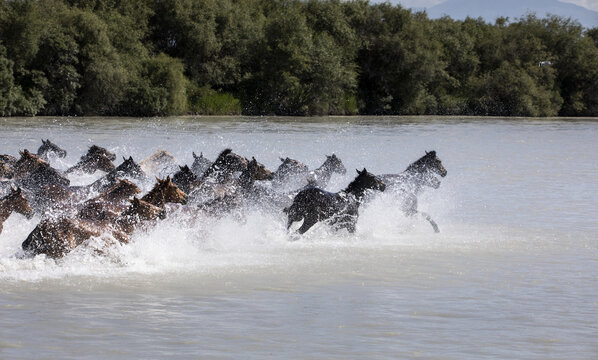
x: 364, y: 171
x: 194, y: 156
x: 359, y: 172
x: 21, y: 153
x: 124, y: 158
x: 168, y: 179
x: 433, y: 153
x: 281, y: 159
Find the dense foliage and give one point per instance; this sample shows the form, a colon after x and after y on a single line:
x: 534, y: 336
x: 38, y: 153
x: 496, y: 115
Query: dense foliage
x: 287, y: 57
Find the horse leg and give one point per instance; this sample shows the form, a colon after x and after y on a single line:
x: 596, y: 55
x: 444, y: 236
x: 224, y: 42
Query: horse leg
x: 308, y: 222
x: 429, y: 218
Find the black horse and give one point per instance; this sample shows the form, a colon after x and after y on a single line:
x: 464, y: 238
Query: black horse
x: 314, y: 204
x: 411, y: 182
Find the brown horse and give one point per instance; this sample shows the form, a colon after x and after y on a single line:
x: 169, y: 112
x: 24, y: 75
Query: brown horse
x: 57, y: 237
x: 33, y: 173
x: 165, y: 191
x: 14, y: 202
x: 110, y: 203
x: 7, y: 163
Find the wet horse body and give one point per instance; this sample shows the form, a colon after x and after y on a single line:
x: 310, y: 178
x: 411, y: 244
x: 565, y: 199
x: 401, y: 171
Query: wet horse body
x: 313, y: 205
x: 411, y: 182
x: 56, y: 237
x: 14, y: 202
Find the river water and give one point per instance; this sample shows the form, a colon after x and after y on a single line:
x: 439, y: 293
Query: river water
x: 513, y: 273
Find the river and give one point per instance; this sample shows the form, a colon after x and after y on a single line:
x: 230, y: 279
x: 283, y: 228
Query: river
x: 512, y: 274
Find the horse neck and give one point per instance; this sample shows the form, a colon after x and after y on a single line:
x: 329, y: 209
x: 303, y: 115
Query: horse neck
x: 414, y: 178
x: 6, y: 208
x: 155, y: 197
x: 354, y: 190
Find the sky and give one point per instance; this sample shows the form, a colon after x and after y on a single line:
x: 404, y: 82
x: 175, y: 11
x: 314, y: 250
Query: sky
x: 588, y: 4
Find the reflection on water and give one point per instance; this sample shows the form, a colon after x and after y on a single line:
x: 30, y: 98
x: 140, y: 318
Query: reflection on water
x: 511, y: 275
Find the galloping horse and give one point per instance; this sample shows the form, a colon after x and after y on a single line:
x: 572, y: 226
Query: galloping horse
x: 15, y: 201
x: 48, y: 147
x: 411, y: 182
x: 33, y: 173
x: 314, y: 204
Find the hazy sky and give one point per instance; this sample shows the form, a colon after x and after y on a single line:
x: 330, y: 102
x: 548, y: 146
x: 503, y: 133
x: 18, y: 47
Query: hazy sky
x: 590, y: 4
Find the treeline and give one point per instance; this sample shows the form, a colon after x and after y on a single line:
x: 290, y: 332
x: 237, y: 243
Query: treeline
x: 286, y: 57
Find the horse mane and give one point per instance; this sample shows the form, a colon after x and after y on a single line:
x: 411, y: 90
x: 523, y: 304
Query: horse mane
x: 421, y: 163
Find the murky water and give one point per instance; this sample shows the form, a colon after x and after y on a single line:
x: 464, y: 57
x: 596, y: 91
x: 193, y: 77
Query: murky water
x: 513, y: 273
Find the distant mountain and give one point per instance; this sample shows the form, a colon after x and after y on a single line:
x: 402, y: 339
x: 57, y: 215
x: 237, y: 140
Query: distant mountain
x: 492, y: 9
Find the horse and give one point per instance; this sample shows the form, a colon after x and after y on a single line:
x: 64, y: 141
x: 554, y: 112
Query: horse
x: 14, y: 202
x: 320, y: 177
x: 49, y: 147
x: 161, y: 164
x: 34, y: 173
x: 224, y: 166
x: 111, y: 201
x: 410, y: 183
x: 314, y: 204
x: 165, y: 191
x: 243, y: 190
x: 56, y: 237
x: 96, y: 158
x: 200, y: 164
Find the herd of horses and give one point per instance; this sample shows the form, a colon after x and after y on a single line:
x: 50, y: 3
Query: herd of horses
x: 112, y: 207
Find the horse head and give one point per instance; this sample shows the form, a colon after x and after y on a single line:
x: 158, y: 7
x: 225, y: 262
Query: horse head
x: 49, y: 147
x: 335, y: 164
x: 129, y: 168
x: 258, y: 171
x: 165, y: 191
x: 425, y: 169
x: 200, y: 164
x: 290, y: 167
x: 17, y: 201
